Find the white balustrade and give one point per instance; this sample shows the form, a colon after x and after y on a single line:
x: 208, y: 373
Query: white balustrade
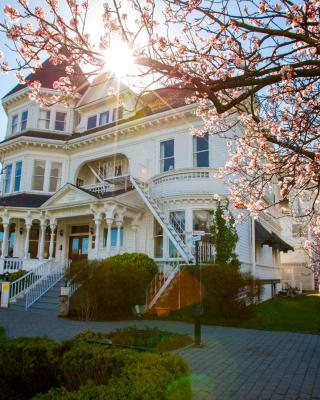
x: 12, y: 264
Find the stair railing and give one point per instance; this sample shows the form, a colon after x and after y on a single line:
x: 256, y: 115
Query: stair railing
x: 20, y: 285
x: 55, y: 272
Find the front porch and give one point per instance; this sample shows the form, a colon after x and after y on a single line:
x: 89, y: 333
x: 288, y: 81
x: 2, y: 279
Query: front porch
x: 73, y: 224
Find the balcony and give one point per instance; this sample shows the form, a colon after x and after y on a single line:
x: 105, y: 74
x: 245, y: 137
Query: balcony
x: 188, y: 181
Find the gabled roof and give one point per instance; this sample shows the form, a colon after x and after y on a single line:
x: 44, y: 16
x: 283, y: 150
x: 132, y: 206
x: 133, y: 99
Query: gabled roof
x: 50, y: 73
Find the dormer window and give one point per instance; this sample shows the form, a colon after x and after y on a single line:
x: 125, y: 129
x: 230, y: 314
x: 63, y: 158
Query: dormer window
x: 14, y: 124
x: 92, y: 122
x: 104, y: 118
x: 24, y: 120
x: 117, y: 113
x: 60, y: 121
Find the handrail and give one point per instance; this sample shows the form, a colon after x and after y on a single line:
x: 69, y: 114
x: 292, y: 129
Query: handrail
x: 55, y: 272
x: 21, y: 284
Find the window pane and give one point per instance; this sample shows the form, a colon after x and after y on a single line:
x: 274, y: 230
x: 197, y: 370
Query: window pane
x: 92, y: 122
x: 24, y: 119
x: 14, y: 124
x: 60, y: 121
x: 203, y: 159
x: 202, y: 143
x: 167, y: 149
x: 17, y: 179
x: 7, y: 182
x: 38, y: 175
x: 104, y: 118
x: 55, y: 176
x: 202, y: 220
x: 117, y: 113
x: 168, y: 164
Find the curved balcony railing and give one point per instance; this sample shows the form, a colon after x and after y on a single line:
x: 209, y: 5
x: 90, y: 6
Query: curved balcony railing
x: 188, y: 181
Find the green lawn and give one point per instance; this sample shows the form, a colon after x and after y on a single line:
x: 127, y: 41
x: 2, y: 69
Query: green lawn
x: 298, y: 314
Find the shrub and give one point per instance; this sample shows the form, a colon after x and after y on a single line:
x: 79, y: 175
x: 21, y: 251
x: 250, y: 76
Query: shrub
x: 112, y: 287
x: 30, y: 364
x: 94, y: 362
x: 228, y: 292
x: 13, y: 276
x: 89, y: 391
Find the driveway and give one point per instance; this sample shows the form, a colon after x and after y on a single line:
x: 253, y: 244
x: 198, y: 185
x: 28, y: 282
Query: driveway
x: 233, y: 364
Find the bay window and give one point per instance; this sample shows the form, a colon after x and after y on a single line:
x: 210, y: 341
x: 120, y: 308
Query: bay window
x: 7, y: 179
x: 104, y: 118
x: 24, y: 120
x: 14, y: 123
x: 55, y: 176
x: 60, y: 121
x: 92, y: 122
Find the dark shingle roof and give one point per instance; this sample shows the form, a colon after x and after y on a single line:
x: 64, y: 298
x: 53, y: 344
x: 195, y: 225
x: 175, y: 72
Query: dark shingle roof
x: 50, y: 73
x: 28, y: 200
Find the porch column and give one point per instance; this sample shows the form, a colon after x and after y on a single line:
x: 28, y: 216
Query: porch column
x: 27, y: 239
x: 53, y: 226
x: 134, y: 238
x: 118, y: 243
x: 43, y: 227
x: 5, y: 238
x: 97, y: 221
x: 108, y: 244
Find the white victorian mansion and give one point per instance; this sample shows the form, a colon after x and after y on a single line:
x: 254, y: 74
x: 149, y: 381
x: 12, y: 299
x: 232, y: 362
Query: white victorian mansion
x: 95, y: 179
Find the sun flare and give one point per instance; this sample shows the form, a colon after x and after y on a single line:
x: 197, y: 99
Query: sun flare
x: 119, y: 58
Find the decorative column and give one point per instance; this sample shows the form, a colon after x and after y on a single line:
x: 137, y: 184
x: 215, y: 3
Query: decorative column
x: 28, y: 225
x: 118, y: 243
x: 97, y: 221
x: 53, y: 226
x: 134, y: 238
x: 4, y: 249
x: 108, y: 244
x: 43, y: 227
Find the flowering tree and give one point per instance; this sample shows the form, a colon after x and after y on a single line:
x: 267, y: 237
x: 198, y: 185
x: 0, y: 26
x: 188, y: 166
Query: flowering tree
x: 312, y: 246
x: 253, y: 66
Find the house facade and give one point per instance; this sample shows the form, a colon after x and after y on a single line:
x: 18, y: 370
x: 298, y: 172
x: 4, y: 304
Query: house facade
x: 97, y: 179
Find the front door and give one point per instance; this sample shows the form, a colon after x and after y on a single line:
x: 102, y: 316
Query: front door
x: 78, y: 247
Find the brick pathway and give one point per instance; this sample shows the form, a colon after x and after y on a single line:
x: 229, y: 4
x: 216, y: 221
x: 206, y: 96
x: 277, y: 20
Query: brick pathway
x: 233, y: 364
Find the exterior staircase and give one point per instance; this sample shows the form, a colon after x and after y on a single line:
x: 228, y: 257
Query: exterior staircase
x: 47, y: 303
x: 171, y: 226
x: 38, y: 289
x: 173, y: 229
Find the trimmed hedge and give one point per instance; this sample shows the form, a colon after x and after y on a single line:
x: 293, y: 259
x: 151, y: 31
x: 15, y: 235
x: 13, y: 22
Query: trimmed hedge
x: 110, y: 288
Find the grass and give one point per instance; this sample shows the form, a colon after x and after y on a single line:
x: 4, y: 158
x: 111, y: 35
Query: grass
x: 2, y: 336
x: 298, y: 314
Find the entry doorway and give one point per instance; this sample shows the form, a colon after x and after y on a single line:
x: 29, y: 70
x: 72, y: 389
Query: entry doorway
x: 78, y: 247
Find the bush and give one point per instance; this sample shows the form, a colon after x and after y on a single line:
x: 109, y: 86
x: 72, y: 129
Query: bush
x: 89, y: 391
x: 30, y: 364
x: 13, y: 276
x: 228, y: 292
x: 112, y: 287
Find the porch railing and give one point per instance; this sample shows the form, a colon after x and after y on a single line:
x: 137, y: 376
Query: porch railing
x: 11, y: 264
x: 55, y: 272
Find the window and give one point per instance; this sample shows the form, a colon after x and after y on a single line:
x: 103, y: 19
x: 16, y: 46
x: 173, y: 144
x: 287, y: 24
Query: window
x: 117, y: 113
x: 202, y: 220
x: 60, y: 121
x: 55, y: 176
x: 34, y: 240
x: 113, y: 237
x: 80, y: 182
x: 157, y: 239
x: 24, y: 120
x: 201, y: 151
x: 38, y: 175
x: 92, y: 122
x: 177, y: 219
x: 104, y: 118
x: 14, y: 124
x: 7, y: 179
x: 167, y: 155
x: 17, y: 177
x: 45, y: 119
x: 299, y: 231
